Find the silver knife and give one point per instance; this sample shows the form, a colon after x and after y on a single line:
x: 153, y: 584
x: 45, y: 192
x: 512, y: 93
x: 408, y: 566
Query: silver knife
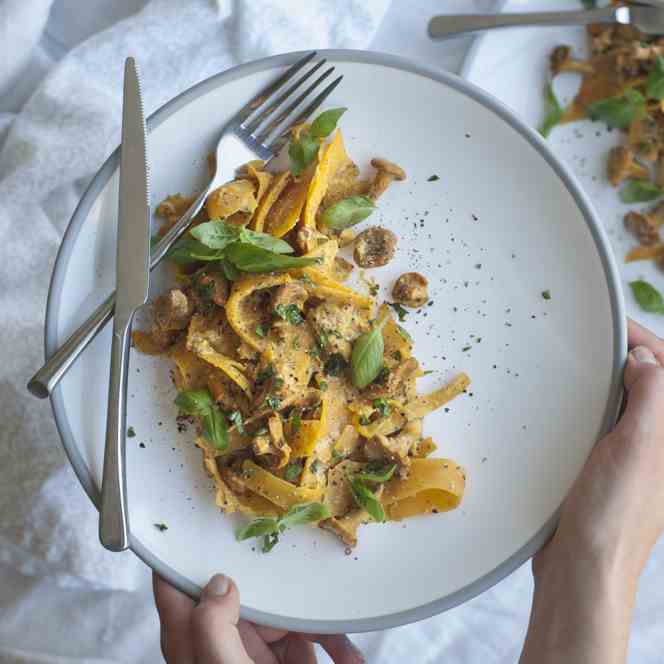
x: 131, y: 291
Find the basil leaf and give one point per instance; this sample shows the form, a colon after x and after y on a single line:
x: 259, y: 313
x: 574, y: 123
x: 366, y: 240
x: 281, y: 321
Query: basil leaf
x: 264, y: 525
x: 216, y: 234
x: 367, y: 357
x: 189, y: 250
x: 648, y: 297
x: 376, y: 472
x: 554, y: 111
x: 348, y: 212
x: 304, y: 513
x: 302, y: 153
x: 249, y: 258
x: 265, y: 240
x: 366, y: 499
x: 326, y: 122
x: 655, y: 82
x: 640, y: 191
x: 194, y: 402
x: 273, y: 402
x: 215, y: 428
x: 230, y: 271
x: 619, y: 112
x: 290, y: 313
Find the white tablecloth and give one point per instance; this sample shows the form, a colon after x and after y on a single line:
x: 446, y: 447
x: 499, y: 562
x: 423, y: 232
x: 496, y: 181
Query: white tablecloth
x: 42, y: 622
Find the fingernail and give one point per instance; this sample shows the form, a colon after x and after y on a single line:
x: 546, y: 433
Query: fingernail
x: 217, y: 586
x: 644, y: 355
x: 355, y: 650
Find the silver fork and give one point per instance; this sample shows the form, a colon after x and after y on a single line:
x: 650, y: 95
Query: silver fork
x: 259, y: 130
x: 647, y: 18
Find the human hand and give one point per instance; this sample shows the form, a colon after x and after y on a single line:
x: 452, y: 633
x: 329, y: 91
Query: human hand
x: 586, y: 576
x: 614, y: 513
x: 211, y: 632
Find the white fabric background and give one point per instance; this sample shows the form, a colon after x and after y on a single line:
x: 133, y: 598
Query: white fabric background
x: 62, y: 599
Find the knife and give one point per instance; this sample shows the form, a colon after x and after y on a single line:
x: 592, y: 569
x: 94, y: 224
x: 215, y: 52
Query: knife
x: 131, y: 292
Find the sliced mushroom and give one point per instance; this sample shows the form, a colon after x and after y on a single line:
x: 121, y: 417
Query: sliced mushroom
x: 374, y: 247
x: 386, y: 173
x: 622, y: 166
x: 210, y: 287
x: 172, y: 311
x: 562, y: 60
x: 411, y: 289
x: 646, y: 226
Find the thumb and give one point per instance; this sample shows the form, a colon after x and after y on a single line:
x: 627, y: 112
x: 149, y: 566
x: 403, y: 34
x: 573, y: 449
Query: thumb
x: 214, y: 624
x: 644, y: 382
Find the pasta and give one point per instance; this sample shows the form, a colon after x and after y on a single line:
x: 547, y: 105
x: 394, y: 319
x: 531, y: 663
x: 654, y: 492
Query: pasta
x: 302, y: 390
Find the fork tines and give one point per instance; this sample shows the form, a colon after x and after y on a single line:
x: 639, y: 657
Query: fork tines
x: 268, y: 114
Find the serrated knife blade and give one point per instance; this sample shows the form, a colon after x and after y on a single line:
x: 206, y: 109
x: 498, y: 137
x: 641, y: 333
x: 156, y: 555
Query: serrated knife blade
x: 131, y: 291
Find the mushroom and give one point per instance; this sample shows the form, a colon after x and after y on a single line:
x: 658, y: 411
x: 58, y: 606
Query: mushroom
x: 601, y: 37
x: 386, y: 173
x: 622, y: 166
x: 172, y: 311
x: 646, y: 226
x: 210, y: 287
x: 411, y: 289
x: 342, y: 268
x: 645, y: 139
x: 561, y: 60
x: 374, y: 247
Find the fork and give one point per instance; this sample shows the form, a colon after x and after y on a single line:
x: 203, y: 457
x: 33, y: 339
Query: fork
x: 259, y: 130
x: 648, y: 19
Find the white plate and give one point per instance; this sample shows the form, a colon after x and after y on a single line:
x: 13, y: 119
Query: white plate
x: 513, y: 65
x: 504, y: 223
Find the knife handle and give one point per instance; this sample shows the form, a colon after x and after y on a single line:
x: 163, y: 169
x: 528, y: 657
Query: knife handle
x: 113, y: 516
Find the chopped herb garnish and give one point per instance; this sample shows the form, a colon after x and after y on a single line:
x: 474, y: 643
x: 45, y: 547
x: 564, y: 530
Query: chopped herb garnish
x: 364, y: 420
x: 315, y: 465
x: 546, y: 294
x: 404, y: 333
x: 295, y: 419
x: 130, y: 432
x: 260, y: 330
x: 400, y: 311
x: 290, y: 313
x: 161, y: 526
x: 323, y: 339
x: 640, y: 191
x: 433, y: 178
x: 335, y: 364
x: 374, y: 289
x: 293, y: 471
x: 382, y: 407
x: 265, y: 375
x: 235, y: 418
x: 465, y: 349
x: 273, y: 402
x: 269, y: 542
x: 322, y: 386
x: 426, y: 373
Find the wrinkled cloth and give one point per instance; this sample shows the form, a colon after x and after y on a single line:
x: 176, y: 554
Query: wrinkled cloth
x: 63, y: 599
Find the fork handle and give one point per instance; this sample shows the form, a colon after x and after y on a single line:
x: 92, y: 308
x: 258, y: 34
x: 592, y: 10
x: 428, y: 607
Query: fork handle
x: 442, y: 27
x: 45, y: 380
x: 113, y: 516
